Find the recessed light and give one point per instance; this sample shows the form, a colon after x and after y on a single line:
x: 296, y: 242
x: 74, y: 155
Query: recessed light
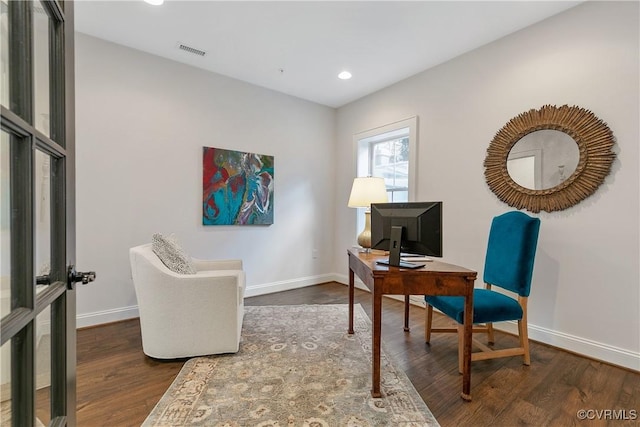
x: 345, y: 75
x: 155, y: 2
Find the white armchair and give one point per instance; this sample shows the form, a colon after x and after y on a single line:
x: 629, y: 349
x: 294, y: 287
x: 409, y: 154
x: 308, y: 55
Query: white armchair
x: 185, y: 315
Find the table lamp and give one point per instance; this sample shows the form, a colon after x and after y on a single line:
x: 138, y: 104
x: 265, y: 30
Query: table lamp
x: 367, y: 190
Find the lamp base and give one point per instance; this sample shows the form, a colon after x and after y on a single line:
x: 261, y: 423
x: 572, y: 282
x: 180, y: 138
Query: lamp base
x: 364, y: 238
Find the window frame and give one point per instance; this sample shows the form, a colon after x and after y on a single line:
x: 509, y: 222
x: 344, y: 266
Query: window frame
x: 363, y: 141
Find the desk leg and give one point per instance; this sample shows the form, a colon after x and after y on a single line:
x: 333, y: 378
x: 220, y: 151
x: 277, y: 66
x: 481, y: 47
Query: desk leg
x: 468, y: 330
x: 351, y: 286
x: 375, y: 338
x: 406, y: 313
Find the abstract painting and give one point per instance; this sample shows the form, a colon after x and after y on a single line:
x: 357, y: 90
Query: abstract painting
x: 237, y: 187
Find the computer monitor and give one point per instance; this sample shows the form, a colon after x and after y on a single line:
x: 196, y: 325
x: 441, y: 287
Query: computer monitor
x: 411, y: 227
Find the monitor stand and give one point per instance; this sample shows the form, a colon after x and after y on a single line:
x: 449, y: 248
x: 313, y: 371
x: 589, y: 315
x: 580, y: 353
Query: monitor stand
x: 394, y: 251
x: 395, y: 243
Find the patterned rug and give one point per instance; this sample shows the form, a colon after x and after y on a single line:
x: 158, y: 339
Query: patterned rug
x: 297, y: 366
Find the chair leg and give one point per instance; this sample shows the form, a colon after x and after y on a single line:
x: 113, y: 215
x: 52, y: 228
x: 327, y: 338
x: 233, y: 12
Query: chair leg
x: 406, y: 312
x: 524, y: 341
x: 427, y: 323
x: 523, y: 331
x: 490, y: 336
x: 460, y: 348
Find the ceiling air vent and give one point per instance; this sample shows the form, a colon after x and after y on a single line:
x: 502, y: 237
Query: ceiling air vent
x: 191, y: 49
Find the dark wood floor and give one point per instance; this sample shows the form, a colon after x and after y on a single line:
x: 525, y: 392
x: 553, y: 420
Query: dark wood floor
x: 118, y: 385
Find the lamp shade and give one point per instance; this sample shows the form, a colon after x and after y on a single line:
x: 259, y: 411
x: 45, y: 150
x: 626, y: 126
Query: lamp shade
x: 367, y: 190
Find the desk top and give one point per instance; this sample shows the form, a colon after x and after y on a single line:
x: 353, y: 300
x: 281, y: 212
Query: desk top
x: 439, y: 267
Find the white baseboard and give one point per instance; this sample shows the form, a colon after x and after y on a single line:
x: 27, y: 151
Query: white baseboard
x: 109, y: 316
x: 285, y: 285
x: 581, y: 346
x: 106, y: 316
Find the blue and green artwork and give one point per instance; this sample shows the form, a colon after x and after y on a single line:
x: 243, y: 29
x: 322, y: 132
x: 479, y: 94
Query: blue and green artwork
x: 237, y: 187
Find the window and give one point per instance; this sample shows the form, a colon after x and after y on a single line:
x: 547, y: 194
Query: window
x: 389, y: 159
x: 389, y: 152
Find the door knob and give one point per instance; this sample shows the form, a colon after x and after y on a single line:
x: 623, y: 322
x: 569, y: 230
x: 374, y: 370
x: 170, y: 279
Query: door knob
x: 43, y: 280
x: 79, y: 276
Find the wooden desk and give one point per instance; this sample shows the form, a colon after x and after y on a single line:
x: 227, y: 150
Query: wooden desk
x: 435, y: 278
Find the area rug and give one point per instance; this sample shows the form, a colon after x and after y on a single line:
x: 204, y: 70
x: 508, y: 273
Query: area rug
x: 297, y: 366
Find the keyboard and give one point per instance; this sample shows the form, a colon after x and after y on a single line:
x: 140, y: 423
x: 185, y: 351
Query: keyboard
x: 419, y: 258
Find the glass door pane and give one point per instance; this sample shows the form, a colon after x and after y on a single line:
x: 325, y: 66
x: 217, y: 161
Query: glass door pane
x: 4, y: 53
x: 42, y: 265
x: 41, y: 76
x: 43, y: 366
x: 42, y: 214
x: 5, y: 224
x: 5, y: 384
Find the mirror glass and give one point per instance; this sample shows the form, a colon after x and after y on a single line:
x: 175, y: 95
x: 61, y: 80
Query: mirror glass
x: 543, y: 159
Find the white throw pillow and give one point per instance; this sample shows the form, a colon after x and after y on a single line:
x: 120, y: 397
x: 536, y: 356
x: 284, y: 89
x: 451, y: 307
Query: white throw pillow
x: 172, y: 255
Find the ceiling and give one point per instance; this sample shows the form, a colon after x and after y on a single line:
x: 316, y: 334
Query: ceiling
x: 299, y: 47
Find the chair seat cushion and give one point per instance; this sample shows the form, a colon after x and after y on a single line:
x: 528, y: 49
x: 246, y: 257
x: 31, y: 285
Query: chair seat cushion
x: 488, y: 306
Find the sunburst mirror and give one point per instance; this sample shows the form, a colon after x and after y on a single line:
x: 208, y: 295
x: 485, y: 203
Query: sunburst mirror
x: 549, y: 159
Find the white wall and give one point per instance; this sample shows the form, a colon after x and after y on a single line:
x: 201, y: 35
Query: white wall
x: 142, y: 121
x: 141, y: 124
x: 585, y: 294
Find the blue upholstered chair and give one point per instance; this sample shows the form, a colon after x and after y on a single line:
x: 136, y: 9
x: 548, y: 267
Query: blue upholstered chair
x: 508, y: 264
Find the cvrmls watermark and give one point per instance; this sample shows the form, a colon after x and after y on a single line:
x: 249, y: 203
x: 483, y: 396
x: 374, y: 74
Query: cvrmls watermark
x: 607, y: 414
